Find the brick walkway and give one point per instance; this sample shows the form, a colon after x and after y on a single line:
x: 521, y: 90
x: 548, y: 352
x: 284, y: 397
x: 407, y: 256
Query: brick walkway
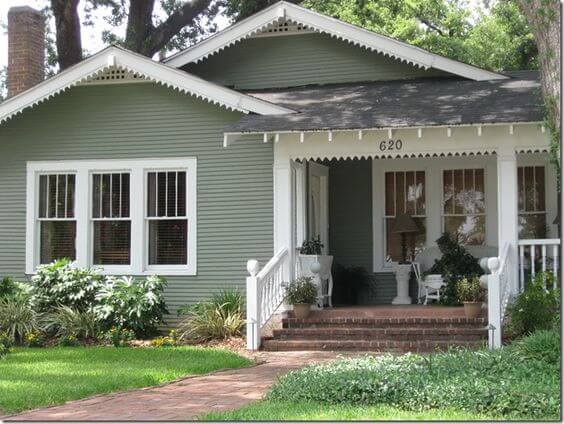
x: 185, y: 399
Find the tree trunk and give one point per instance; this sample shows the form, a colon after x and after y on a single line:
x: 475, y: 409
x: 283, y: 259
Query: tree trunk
x: 139, y: 24
x: 69, y: 41
x: 544, y: 18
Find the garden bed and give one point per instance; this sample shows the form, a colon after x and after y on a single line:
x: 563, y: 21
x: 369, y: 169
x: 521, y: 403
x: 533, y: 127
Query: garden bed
x: 32, y: 377
x: 521, y: 381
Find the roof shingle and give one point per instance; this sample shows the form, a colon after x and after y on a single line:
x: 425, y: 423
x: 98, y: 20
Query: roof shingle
x: 396, y: 104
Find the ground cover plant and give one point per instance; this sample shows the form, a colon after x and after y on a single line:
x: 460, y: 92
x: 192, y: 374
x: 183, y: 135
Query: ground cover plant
x: 520, y: 381
x: 32, y: 378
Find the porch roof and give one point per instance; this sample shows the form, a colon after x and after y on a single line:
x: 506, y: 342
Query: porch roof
x: 400, y: 104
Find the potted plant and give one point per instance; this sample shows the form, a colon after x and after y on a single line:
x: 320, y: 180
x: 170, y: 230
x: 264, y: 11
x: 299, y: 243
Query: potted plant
x: 471, y: 294
x: 301, y: 294
x: 313, y: 263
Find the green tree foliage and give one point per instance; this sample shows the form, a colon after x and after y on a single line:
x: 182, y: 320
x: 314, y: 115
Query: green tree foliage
x: 495, y: 36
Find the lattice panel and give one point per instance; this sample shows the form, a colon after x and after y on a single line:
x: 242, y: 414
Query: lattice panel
x: 283, y: 28
x: 114, y: 75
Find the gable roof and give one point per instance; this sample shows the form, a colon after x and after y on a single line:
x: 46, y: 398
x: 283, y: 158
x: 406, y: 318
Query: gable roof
x: 118, y: 58
x: 400, y: 104
x: 283, y: 11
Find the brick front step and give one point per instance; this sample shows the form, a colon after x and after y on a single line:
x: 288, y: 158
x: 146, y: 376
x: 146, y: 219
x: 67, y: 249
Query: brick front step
x: 399, y: 346
x: 456, y: 322
x: 390, y: 333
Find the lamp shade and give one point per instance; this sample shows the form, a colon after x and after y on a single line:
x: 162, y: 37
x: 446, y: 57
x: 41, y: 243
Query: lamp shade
x: 404, y: 223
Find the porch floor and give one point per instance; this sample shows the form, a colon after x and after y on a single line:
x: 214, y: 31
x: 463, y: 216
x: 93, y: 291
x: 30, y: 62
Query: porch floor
x: 391, y: 311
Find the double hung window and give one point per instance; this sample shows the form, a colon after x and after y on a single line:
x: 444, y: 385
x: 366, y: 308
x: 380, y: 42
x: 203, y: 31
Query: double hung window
x: 134, y: 216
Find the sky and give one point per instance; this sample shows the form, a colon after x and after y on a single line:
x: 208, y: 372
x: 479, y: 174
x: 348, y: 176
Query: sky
x: 91, y: 35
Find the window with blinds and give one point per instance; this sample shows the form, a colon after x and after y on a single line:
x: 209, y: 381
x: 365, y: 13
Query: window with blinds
x: 464, y: 205
x: 129, y: 216
x: 405, y: 194
x: 532, y: 204
x: 166, y: 217
x: 56, y: 216
x: 111, y: 219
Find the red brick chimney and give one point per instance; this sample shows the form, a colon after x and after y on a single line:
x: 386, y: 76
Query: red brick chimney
x: 26, y: 49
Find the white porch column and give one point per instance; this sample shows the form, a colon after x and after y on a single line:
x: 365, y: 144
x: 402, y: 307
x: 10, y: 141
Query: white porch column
x: 283, y: 216
x: 507, y: 210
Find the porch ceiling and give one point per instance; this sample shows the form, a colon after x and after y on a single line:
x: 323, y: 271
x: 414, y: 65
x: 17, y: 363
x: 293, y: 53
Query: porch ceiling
x: 400, y: 104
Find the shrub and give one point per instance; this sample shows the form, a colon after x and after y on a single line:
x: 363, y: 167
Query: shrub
x: 137, y: 305
x: 18, y: 318
x: 67, y: 322
x: 496, y: 382
x: 4, y: 351
x: 34, y: 339
x: 455, y: 263
x: 168, y: 341
x: 542, y: 345
x: 219, y: 318
x: 469, y: 290
x: 12, y: 290
x: 301, y: 290
x: 6, y: 339
x: 68, y: 341
x: 118, y: 337
x: 6, y: 343
x: 535, y: 309
x: 63, y: 284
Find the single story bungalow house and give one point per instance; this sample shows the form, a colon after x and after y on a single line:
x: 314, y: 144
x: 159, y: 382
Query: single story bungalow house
x: 215, y: 164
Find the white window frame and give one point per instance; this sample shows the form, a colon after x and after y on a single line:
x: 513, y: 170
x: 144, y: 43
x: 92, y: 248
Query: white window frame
x: 484, y: 214
x: 536, y: 211
x: 138, y: 168
x: 110, y: 269
x: 386, y: 265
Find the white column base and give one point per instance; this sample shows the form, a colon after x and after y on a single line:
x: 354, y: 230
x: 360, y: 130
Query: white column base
x: 402, y: 272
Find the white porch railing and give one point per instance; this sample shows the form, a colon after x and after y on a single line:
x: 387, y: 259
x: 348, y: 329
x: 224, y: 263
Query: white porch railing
x: 499, y: 293
x: 546, y: 249
x: 265, y: 293
x: 535, y: 255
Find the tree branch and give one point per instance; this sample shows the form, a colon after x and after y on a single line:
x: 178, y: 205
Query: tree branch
x: 162, y: 34
x: 432, y: 26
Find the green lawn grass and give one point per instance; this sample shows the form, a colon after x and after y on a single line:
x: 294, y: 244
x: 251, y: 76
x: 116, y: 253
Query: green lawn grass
x: 274, y: 411
x: 31, y: 378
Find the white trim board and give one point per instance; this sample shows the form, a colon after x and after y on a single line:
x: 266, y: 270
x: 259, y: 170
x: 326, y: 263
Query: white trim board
x: 115, y: 57
x: 138, y: 169
x: 284, y: 11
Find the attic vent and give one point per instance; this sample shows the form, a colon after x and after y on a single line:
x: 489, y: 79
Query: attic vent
x: 283, y: 28
x: 114, y: 75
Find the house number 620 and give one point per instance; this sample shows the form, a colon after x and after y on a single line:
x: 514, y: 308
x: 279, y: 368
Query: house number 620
x: 391, y: 145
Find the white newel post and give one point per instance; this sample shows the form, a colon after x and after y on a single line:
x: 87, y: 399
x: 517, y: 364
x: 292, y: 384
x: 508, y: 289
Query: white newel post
x: 494, y: 304
x: 507, y: 211
x: 253, y: 306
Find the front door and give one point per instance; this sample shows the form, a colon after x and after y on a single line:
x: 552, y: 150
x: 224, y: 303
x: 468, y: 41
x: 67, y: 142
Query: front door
x: 318, y: 203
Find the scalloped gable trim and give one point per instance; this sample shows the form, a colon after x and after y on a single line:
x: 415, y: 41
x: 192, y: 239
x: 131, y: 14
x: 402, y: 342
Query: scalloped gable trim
x: 283, y: 11
x: 118, y: 58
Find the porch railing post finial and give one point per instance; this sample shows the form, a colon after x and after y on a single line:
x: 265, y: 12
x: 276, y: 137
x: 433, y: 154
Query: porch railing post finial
x: 253, y: 267
x: 493, y: 264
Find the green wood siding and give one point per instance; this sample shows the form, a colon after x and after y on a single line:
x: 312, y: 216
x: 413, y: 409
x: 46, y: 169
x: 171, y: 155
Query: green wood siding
x: 295, y: 60
x: 235, y: 205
